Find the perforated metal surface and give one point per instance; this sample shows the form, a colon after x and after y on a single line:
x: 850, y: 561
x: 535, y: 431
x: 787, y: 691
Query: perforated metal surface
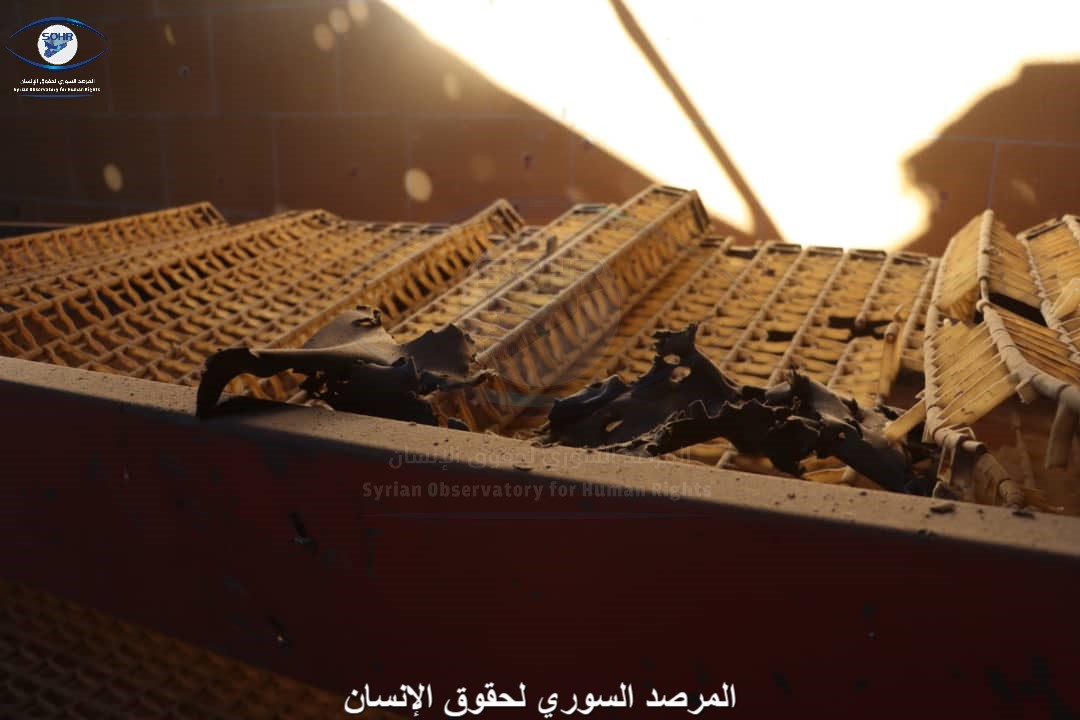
x: 551, y: 309
x: 531, y: 329
x: 28, y: 257
x: 762, y: 310
x: 161, y: 312
x: 59, y: 660
x: 676, y: 300
x: 396, y: 282
x: 555, y: 308
x: 139, y: 296
x: 517, y: 258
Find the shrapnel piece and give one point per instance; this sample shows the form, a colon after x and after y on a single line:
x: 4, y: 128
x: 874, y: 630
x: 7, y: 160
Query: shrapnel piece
x: 752, y: 331
x: 399, y: 282
x: 268, y: 285
x: 813, y: 332
x: 276, y: 309
x: 688, y: 289
x: 994, y: 324
x: 159, y: 339
x: 791, y: 328
x: 444, y: 308
x: 726, y: 314
x: 353, y: 364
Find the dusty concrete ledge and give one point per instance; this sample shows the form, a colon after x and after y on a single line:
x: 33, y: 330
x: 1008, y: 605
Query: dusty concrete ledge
x: 334, y: 548
x: 377, y: 440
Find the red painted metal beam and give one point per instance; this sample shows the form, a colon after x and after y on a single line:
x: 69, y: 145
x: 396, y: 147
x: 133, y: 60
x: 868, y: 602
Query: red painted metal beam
x: 334, y: 548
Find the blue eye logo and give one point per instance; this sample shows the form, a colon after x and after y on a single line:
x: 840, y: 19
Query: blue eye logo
x: 58, y: 43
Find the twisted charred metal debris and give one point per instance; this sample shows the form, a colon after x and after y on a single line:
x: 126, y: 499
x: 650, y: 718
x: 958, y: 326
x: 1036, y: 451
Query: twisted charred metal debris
x: 680, y: 403
x: 354, y: 365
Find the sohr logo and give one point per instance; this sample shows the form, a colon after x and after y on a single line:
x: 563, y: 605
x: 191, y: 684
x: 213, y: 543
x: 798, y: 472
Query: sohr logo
x: 57, y: 41
x: 57, y: 44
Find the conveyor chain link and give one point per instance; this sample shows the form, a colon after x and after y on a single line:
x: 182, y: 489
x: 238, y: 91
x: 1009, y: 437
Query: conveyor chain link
x: 532, y: 329
x: 28, y: 257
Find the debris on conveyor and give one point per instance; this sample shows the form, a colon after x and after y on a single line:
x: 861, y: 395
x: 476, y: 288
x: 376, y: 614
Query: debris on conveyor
x: 981, y: 346
x: 354, y: 365
x: 1002, y: 362
x: 685, y: 399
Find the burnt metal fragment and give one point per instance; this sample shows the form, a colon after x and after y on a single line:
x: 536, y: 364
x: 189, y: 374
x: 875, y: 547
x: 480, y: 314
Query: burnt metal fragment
x: 611, y: 411
x: 353, y: 364
x: 684, y: 399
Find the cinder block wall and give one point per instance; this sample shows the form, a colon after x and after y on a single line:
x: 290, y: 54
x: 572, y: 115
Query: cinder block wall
x: 1016, y: 150
x: 245, y: 104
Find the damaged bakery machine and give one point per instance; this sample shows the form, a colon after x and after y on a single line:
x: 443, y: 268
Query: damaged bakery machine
x: 630, y: 329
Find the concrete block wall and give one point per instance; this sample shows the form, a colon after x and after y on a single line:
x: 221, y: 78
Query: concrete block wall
x: 258, y: 105
x: 253, y: 106
x: 1016, y: 150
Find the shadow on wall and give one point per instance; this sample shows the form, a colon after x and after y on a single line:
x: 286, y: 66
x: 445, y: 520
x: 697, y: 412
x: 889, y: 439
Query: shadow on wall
x: 1016, y: 151
x: 347, y: 106
x: 340, y: 105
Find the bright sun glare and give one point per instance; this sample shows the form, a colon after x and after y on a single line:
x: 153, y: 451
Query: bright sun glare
x: 818, y: 104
